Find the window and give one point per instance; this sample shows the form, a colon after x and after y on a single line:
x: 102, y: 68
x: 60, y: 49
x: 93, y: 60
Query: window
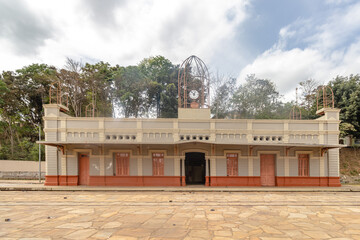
x: 232, y: 164
x: 122, y: 164
x: 158, y: 164
x: 303, y: 164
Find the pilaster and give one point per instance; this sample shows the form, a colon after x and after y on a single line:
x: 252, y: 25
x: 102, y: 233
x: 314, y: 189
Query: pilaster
x: 322, y: 166
x: 212, y: 131
x: 286, y: 132
x: 321, y: 133
x: 249, y: 135
x: 63, y: 132
x: 250, y: 166
x: 102, y: 161
x: 176, y: 130
x: 101, y: 129
x: 140, y: 161
x: 63, y: 165
x: 139, y: 134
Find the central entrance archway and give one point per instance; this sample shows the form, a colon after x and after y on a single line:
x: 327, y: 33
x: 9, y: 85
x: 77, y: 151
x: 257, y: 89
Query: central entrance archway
x: 195, y: 168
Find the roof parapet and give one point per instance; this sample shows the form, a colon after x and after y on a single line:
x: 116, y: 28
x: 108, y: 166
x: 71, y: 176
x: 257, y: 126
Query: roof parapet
x: 328, y: 113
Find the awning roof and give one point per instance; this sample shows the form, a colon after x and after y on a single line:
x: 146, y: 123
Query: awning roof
x: 60, y: 143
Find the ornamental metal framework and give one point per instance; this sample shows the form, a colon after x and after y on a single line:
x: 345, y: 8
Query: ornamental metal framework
x: 324, y: 98
x: 55, y: 93
x: 90, y: 110
x: 295, y: 113
x: 193, y: 84
x: 56, y: 96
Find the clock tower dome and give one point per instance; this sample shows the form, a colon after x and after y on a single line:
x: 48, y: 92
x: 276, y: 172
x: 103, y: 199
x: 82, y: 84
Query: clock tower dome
x: 193, y: 84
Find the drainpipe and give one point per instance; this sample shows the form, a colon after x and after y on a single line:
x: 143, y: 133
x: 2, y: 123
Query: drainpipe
x: 39, y: 154
x: 209, y: 172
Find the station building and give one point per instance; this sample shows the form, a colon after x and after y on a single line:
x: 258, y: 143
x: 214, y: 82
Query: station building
x: 193, y: 148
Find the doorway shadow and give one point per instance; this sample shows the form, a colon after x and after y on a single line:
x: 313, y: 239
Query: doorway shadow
x: 195, y: 168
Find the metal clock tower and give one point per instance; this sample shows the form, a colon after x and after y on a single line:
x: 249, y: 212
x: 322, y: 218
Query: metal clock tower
x: 193, y: 84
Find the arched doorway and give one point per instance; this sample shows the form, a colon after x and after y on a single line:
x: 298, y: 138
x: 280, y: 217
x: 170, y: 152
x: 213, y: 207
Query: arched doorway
x: 195, y: 168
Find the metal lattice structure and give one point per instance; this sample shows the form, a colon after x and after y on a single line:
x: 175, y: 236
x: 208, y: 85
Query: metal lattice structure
x: 55, y: 93
x: 324, y: 98
x: 295, y: 113
x: 193, y: 76
x: 90, y: 110
x: 56, y: 96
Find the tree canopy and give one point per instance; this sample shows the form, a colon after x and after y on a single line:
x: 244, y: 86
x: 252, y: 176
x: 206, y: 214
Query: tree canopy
x: 347, y: 98
x: 148, y: 89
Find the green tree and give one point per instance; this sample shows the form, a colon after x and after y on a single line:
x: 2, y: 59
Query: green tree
x: 10, y: 110
x: 169, y: 107
x: 3, y: 126
x: 130, y: 92
x: 284, y: 110
x: 3, y: 91
x: 346, y: 129
x: 308, y: 89
x: 223, y: 88
x: 99, y: 79
x: 21, y: 113
x: 33, y: 84
x: 159, y: 72
x: 74, y: 86
x: 347, y: 98
x: 256, y: 98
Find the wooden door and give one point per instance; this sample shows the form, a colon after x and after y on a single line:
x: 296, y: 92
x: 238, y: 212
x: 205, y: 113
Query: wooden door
x: 84, y: 169
x: 303, y: 165
x: 232, y: 164
x: 158, y: 164
x: 122, y: 164
x: 267, y: 169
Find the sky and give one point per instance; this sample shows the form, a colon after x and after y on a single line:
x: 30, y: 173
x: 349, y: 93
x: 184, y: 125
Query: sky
x: 281, y: 40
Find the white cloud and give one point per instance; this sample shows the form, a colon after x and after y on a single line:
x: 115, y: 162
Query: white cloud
x: 287, y: 68
x: 338, y: 2
x: 137, y: 29
x: 338, y: 29
x: 330, y: 49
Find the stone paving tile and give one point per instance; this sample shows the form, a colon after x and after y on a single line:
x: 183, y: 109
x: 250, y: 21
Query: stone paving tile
x: 151, y: 215
x: 81, y: 234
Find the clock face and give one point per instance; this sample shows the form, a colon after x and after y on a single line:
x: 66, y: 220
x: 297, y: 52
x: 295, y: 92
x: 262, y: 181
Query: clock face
x: 193, y: 94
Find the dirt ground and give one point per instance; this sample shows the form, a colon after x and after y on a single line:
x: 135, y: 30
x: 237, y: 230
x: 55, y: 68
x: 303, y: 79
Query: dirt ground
x: 350, y: 165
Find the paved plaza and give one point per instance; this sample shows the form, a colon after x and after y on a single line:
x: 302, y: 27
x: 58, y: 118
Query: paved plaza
x: 179, y: 215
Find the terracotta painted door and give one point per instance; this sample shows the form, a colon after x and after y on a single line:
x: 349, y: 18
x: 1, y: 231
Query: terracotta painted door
x: 158, y: 164
x: 303, y: 165
x: 267, y: 169
x: 122, y: 164
x: 84, y: 169
x: 232, y: 164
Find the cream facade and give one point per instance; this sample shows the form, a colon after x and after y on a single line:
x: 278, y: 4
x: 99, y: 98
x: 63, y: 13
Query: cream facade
x: 192, y: 149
